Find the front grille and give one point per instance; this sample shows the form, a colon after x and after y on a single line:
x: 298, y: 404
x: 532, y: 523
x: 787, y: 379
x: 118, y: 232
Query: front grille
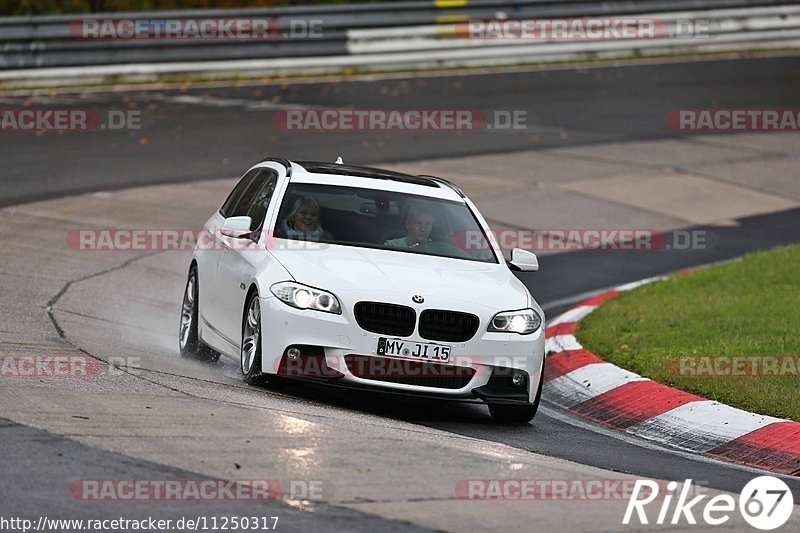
x: 449, y: 326
x: 386, y: 319
x: 408, y: 372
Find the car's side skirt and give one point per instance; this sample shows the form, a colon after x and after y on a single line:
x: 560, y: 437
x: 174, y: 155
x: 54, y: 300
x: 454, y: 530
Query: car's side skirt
x: 214, y: 338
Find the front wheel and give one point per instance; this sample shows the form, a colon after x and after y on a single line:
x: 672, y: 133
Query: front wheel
x: 250, y: 353
x: 189, y: 342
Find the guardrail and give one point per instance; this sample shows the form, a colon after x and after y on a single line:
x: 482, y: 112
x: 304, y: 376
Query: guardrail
x: 384, y: 35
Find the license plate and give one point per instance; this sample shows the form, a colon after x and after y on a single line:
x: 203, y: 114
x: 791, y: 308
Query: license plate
x: 414, y: 350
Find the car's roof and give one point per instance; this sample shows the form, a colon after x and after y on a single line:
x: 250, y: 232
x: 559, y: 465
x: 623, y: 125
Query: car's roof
x: 370, y: 178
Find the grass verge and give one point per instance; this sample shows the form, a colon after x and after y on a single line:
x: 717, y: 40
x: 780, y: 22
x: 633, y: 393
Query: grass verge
x: 686, y: 332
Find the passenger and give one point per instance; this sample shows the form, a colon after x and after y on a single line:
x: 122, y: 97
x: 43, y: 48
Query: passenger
x: 303, y: 222
x: 419, y: 224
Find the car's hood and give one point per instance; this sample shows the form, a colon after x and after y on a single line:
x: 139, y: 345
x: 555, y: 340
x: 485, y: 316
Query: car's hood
x: 397, y: 276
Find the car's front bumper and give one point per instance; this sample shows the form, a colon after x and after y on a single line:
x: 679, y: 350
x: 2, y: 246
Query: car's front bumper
x: 332, y: 341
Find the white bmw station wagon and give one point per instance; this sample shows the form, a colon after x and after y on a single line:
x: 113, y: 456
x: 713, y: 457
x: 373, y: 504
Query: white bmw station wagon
x: 367, y: 278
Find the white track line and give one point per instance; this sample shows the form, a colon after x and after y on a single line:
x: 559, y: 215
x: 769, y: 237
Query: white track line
x: 700, y: 426
x: 587, y: 382
x: 573, y: 315
x: 560, y: 343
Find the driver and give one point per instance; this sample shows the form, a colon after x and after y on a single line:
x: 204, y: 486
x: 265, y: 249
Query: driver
x: 419, y: 224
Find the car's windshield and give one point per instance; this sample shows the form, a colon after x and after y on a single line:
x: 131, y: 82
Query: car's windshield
x: 382, y: 219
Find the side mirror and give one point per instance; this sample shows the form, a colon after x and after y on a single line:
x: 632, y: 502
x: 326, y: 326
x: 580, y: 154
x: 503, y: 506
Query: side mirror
x: 524, y: 260
x: 236, y: 227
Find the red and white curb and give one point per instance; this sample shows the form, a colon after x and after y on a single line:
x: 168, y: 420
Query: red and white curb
x: 584, y: 384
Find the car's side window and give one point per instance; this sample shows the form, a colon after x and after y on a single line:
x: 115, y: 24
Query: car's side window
x: 233, y: 198
x: 258, y: 207
x: 242, y: 205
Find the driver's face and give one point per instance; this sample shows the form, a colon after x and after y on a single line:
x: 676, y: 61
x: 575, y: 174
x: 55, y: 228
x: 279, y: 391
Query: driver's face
x: 419, y: 227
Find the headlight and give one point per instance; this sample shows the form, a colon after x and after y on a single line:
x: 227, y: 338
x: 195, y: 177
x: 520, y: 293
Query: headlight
x: 304, y: 297
x: 524, y: 322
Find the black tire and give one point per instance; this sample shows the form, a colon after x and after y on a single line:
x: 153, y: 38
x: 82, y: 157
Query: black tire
x: 513, y: 414
x: 189, y: 343
x: 518, y: 414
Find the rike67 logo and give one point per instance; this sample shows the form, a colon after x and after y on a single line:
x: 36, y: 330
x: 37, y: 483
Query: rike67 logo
x: 765, y: 503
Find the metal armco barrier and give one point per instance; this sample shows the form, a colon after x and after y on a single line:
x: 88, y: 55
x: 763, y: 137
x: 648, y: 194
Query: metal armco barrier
x: 383, y: 35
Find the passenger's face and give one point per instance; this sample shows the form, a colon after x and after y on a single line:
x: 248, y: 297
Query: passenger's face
x: 307, y: 217
x: 419, y: 227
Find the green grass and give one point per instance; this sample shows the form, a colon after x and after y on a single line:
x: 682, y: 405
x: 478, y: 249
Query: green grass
x: 746, y: 308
